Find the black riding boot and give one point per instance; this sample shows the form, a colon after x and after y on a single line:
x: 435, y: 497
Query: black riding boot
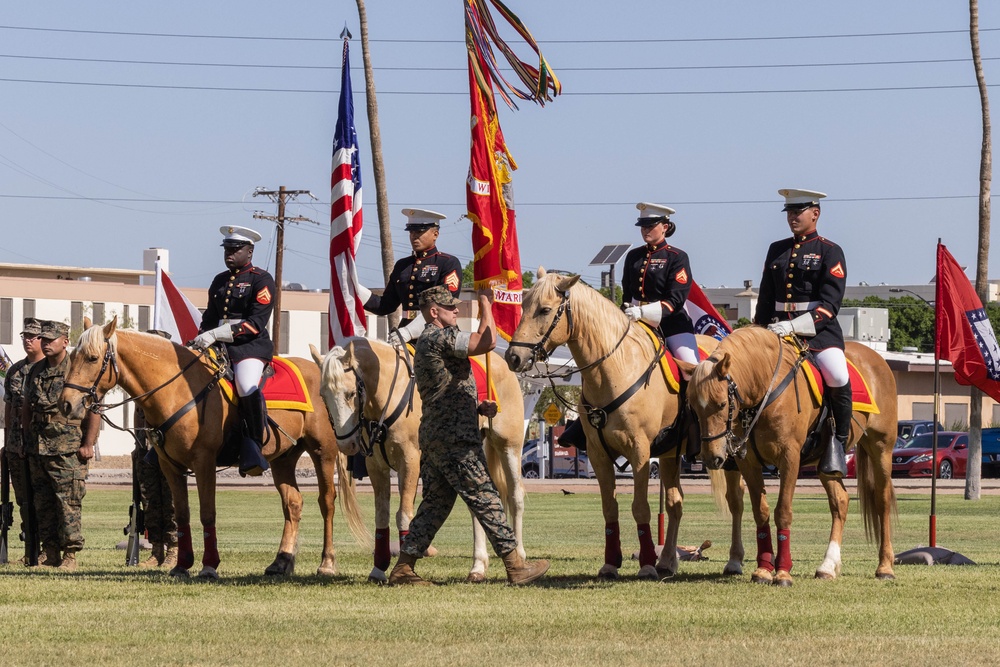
x: 834, y: 459
x: 252, y: 462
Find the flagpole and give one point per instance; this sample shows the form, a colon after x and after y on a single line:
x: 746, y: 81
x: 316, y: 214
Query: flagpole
x: 932, y: 527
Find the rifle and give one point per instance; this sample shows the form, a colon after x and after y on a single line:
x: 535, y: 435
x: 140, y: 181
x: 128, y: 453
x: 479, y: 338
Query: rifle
x: 30, y: 534
x: 6, y: 506
x: 136, y: 517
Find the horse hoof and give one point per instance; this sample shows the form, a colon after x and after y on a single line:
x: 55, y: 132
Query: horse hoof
x: 283, y: 565
x: 885, y: 576
x: 608, y: 573
x: 377, y: 576
x: 828, y: 576
x: 208, y: 573
x: 326, y: 571
x: 783, y: 579
x: 663, y: 573
x: 732, y: 569
x: 762, y: 576
x: 475, y: 578
x: 180, y: 573
x: 648, y: 573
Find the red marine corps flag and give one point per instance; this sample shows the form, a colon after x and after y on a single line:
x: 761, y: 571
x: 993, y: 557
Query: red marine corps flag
x: 964, y: 334
x: 496, y: 258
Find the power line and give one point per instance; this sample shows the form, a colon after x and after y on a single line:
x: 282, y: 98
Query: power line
x: 676, y: 40
x: 681, y: 93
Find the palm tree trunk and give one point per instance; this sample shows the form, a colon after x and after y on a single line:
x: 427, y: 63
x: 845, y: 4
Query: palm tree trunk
x: 974, y: 473
x: 378, y: 165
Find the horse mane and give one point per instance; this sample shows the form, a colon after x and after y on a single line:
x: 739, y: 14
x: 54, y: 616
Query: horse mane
x: 750, y: 349
x: 592, y: 311
x: 332, y: 371
x: 91, y: 342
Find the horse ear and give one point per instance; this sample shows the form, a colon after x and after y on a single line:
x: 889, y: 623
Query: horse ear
x: 686, y: 367
x: 110, y: 327
x: 564, y: 283
x: 87, y: 323
x: 541, y: 272
x: 317, y: 357
x: 722, y: 366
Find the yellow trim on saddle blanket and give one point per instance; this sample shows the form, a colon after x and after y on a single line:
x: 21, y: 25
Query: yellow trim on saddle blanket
x: 491, y: 393
x: 812, y: 373
x: 282, y: 404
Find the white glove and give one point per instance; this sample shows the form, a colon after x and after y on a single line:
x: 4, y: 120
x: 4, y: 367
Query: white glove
x: 203, y: 340
x: 802, y: 325
x: 651, y: 313
x: 364, y: 294
x: 407, y: 333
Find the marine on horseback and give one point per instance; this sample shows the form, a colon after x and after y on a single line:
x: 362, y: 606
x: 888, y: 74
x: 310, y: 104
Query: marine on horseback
x: 239, y: 307
x: 800, y: 292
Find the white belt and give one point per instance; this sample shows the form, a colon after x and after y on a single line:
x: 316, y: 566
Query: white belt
x: 796, y: 306
x: 229, y: 322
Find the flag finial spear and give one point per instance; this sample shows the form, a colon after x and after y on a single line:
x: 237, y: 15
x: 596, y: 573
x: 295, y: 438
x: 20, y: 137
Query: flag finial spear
x: 345, y: 33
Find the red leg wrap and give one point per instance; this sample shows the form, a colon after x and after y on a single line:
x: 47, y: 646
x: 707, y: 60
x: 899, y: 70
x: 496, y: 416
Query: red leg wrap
x: 784, y: 550
x: 382, y: 557
x: 612, y: 544
x: 647, y: 553
x: 211, y: 555
x: 185, y: 552
x: 765, y: 548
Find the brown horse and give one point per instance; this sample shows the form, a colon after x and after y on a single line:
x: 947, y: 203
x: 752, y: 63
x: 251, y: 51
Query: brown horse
x: 614, y: 356
x: 749, y: 365
x: 368, y: 381
x: 163, y: 379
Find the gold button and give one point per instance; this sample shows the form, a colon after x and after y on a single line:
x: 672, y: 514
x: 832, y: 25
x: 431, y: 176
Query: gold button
x: 789, y: 275
x: 789, y: 286
x: 788, y: 296
x: 796, y: 246
x: 795, y: 254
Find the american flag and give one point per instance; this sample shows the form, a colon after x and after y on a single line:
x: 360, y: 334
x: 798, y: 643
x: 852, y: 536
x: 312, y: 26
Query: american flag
x: 347, y: 313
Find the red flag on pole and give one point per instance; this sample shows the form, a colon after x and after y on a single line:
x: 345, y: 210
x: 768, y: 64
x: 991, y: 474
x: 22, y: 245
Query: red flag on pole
x: 704, y: 315
x: 496, y: 259
x: 172, y: 311
x: 964, y: 334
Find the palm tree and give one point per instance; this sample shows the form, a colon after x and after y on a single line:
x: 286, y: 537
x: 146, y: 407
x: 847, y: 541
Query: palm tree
x: 972, y: 479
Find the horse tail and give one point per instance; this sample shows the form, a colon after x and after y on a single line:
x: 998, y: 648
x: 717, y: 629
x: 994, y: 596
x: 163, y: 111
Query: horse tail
x: 868, y: 494
x: 717, y: 478
x: 349, y: 503
x: 497, y: 473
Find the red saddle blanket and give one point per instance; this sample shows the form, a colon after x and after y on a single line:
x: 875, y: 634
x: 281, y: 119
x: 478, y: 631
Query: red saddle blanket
x: 668, y: 365
x: 285, y: 390
x: 861, y: 394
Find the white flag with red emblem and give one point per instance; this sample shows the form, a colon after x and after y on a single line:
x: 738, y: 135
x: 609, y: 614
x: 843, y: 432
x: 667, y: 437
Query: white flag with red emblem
x: 172, y: 311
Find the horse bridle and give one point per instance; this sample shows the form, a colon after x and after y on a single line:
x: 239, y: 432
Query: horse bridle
x: 91, y: 392
x: 359, y: 411
x: 537, y: 348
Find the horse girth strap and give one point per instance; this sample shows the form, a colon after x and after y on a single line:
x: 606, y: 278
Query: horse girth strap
x: 187, y: 407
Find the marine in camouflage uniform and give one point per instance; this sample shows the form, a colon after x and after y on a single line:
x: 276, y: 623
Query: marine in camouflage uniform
x: 157, y: 501
x: 452, y: 461
x: 59, y: 450
x: 14, y: 392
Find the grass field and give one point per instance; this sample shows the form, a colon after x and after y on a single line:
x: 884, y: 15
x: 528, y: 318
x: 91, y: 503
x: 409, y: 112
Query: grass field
x: 107, y: 614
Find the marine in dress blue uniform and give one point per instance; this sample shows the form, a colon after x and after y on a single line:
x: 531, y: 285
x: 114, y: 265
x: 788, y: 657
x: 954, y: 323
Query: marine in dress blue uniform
x: 801, y: 290
x: 240, y: 301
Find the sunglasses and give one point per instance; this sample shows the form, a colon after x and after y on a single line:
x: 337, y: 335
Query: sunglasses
x: 27, y: 336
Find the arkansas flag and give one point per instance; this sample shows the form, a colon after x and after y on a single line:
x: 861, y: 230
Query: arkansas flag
x: 347, y: 312
x: 704, y: 315
x: 172, y: 312
x: 964, y: 334
x: 490, y: 198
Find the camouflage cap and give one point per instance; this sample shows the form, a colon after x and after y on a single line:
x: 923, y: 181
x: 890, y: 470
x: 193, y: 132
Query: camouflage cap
x: 440, y: 295
x: 52, y: 330
x: 32, y: 326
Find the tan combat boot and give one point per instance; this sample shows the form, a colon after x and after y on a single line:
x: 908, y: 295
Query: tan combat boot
x: 403, y: 573
x: 155, y: 558
x: 50, y: 557
x: 520, y: 571
x: 170, y: 557
x: 68, y: 563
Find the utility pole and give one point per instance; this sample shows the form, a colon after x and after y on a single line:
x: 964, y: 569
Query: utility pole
x: 280, y: 196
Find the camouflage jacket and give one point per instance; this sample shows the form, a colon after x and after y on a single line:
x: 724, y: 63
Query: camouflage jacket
x: 48, y: 432
x: 447, y: 388
x: 13, y: 386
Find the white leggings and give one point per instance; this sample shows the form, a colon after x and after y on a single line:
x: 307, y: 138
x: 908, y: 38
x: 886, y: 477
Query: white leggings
x: 833, y: 365
x: 248, y: 374
x: 684, y: 346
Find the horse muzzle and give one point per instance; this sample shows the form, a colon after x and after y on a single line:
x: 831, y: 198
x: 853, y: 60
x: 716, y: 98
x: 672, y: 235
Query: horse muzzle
x: 518, y: 360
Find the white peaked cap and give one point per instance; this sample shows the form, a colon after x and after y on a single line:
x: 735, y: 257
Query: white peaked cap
x: 648, y: 210
x: 233, y: 235
x: 795, y: 197
x: 418, y: 217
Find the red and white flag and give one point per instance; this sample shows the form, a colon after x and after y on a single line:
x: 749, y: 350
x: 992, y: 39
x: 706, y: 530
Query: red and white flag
x: 172, y: 312
x: 347, y: 312
x: 965, y: 336
x: 704, y: 315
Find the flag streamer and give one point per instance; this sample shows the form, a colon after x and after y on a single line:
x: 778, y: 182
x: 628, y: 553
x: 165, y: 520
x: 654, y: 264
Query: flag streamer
x: 172, y: 311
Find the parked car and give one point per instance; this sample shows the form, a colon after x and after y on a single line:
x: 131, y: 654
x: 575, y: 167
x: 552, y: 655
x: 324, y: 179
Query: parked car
x: 913, y: 458
x: 810, y: 469
x: 991, y: 452
x: 563, y: 464
x: 687, y: 468
x: 909, y: 428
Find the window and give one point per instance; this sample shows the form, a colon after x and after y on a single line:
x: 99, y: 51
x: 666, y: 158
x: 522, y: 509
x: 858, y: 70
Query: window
x: 28, y: 308
x: 126, y: 321
x: 324, y: 333
x: 996, y: 415
x: 76, y: 316
x: 6, y: 321
x: 923, y: 411
x: 956, y: 416
x: 98, y: 311
x: 284, y: 333
x: 144, y: 318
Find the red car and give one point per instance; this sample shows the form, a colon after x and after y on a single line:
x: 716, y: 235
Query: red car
x: 913, y: 457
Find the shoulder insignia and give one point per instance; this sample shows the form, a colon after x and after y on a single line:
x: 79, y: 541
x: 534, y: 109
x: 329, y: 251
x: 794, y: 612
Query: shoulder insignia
x: 682, y: 277
x: 837, y: 271
x: 452, y: 281
x: 264, y: 296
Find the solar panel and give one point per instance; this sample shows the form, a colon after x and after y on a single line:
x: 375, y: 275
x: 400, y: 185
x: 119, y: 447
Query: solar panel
x: 610, y: 254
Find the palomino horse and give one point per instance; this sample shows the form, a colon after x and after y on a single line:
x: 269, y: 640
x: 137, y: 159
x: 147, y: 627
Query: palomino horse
x: 368, y: 382
x: 618, y: 366
x: 176, y: 389
x: 743, y: 385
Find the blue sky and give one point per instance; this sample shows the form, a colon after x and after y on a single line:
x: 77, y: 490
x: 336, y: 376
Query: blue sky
x: 901, y: 166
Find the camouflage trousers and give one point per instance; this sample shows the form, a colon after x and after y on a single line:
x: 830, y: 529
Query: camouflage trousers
x: 157, y: 501
x: 449, y: 471
x: 19, y: 480
x: 60, y: 483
